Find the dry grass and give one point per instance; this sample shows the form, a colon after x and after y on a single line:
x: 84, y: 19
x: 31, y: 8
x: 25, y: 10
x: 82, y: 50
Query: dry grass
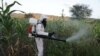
x: 37, y: 15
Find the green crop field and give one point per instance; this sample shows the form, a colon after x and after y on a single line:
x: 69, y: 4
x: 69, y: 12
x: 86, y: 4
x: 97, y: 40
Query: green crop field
x: 82, y: 36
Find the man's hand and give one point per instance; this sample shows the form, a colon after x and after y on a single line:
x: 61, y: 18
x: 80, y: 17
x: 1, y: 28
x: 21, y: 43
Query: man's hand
x: 34, y: 34
x: 51, y: 34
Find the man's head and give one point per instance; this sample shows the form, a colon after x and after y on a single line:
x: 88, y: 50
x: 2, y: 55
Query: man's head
x: 43, y: 20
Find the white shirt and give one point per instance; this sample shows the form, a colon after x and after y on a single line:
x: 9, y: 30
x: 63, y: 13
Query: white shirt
x: 40, y: 30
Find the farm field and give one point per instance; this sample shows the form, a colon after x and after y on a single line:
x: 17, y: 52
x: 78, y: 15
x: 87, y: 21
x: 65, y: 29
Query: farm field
x: 82, y: 36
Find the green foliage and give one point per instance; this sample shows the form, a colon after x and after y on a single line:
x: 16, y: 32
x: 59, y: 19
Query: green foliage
x: 85, y: 47
x: 97, y: 29
x: 88, y: 47
x: 9, y: 36
x: 21, y: 27
x: 7, y: 23
x: 80, y: 11
x: 63, y: 29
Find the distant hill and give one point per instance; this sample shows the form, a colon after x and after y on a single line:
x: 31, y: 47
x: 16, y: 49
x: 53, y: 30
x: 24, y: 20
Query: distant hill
x: 37, y: 15
x: 18, y: 15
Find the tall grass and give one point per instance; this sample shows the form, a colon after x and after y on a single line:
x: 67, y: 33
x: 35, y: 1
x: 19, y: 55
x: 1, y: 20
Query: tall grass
x: 86, y: 46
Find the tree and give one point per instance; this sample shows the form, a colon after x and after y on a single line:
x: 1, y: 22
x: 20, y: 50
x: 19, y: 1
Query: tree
x: 80, y: 11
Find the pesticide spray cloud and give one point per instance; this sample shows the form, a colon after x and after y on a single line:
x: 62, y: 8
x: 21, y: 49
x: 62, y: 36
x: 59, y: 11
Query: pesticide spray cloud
x: 81, y: 33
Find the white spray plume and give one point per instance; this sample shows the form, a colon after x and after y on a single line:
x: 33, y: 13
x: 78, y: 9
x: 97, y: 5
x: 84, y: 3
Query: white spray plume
x: 82, y: 32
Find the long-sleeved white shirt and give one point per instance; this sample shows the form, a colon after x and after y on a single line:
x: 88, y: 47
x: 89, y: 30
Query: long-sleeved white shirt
x: 40, y: 30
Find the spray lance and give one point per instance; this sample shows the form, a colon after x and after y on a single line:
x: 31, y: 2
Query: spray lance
x: 81, y: 32
x: 47, y: 37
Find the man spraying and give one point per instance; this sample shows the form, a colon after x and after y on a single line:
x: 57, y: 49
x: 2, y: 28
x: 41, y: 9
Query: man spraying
x: 37, y: 29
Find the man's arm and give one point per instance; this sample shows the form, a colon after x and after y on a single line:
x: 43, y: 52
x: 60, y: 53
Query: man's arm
x: 39, y: 30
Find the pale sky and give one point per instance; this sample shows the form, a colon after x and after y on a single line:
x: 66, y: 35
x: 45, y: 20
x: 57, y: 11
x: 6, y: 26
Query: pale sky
x: 54, y: 7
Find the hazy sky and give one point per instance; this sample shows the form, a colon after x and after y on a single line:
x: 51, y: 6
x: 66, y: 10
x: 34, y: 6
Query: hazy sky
x: 54, y: 7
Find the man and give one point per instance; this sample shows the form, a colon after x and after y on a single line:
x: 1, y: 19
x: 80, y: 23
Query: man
x: 38, y: 31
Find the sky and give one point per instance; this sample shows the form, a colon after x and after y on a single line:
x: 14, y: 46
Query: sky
x: 54, y: 7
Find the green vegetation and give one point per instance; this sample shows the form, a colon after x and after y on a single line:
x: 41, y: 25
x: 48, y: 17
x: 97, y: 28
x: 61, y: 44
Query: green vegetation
x: 14, y: 40
x: 87, y: 46
x: 13, y: 33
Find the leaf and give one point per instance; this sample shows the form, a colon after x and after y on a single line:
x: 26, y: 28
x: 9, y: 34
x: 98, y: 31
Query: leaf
x: 17, y: 3
x: 15, y: 11
x: 0, y: 13
x: 9, y: 6
x: 2, y: 5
